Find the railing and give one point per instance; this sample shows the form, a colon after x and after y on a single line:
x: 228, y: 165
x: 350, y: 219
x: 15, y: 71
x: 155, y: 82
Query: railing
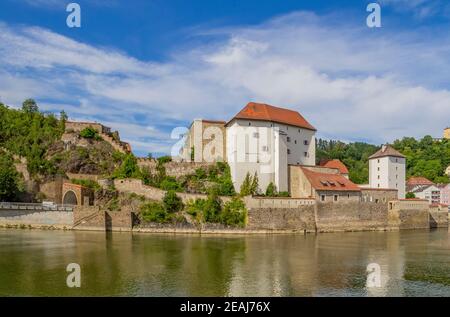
x: 41, y: 207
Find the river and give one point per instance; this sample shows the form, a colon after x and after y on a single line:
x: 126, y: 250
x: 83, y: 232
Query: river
x: 412, y: 263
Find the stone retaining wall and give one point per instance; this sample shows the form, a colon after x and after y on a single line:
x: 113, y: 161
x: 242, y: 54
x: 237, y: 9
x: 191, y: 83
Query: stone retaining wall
x: 351, y: 216
x: 294, y: 219
x: 36, y: 218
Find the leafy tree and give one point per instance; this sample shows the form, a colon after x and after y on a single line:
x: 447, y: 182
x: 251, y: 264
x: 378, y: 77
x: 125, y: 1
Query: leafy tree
x: 30, y: 106
x: 155, y: 212
x: 9, y: 179
x: 254, y: 187
x: 246, y: 186
x: 172, y: 203
x: 128, y: 169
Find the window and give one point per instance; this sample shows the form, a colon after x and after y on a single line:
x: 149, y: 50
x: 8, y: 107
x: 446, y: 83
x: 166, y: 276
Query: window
x: 288, y: 139
x: 378, y: 161
x: 299, y: 131
x: 295, y: 141
x: 287, y: 128
x: 378, y: 185
x: 378, y: 176
x: 378, y: 169
x: 288, y: 151
x: 348, y: 196
x: 322, y: 197
x: 336, y: 197
x: 306, y: 154
x: 396, y: 160
x: 265, y: 148
x: 376, y: 201
x: 249, y: 123
x: 306, y: 142
x: 256, y: 135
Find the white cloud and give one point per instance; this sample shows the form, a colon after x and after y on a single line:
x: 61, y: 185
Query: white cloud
x: 350, y: 82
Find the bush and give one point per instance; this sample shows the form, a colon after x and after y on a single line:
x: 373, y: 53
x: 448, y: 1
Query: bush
x: 128, y: 169
x: 155, y: 212
x: 410, y: 196
x: 164, y: 159
x: 234, y: 213
x: 89, y: 133
x: 172, y: 203
x: 212, y: 208
x: 271, y: 190
x: 170, y: 183
x: 87, y: 183
x: 195, y: 208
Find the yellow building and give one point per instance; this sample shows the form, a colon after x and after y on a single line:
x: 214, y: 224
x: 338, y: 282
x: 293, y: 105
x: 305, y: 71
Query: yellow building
x: 447, y: 133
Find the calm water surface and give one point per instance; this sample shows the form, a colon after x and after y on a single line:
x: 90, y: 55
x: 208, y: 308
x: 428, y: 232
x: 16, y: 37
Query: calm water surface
x: 413, y: 263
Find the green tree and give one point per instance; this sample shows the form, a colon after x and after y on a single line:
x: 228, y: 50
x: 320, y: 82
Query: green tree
x: 172, y: 203
x: 128, y: 169
x: 246, y: 186
x: 254, y: 187
x: 30, y: 106
x: 9, y: 179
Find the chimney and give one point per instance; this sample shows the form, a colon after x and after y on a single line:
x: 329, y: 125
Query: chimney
x: 383, y: 148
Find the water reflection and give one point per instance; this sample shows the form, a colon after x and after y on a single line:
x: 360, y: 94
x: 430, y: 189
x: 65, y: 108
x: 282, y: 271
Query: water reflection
x: 412, y: 263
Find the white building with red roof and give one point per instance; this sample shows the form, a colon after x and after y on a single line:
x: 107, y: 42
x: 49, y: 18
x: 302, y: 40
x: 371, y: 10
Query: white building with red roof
x: 387, y: 170
x: 265, y: 140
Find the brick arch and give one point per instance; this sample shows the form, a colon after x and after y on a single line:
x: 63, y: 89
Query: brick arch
x: 70, y: 198
x: 74, y: 194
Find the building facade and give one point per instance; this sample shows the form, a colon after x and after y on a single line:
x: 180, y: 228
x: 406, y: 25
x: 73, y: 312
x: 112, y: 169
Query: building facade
x: 205, y: 142
x: 387, y: 170
x: 445, y: 194
x: 265, y: 140
x: 432, y: 193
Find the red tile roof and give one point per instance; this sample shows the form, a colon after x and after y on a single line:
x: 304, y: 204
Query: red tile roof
x: 331, y: 182
x: 264, y: 112
x: 419, y: 181
x: 337, y: 164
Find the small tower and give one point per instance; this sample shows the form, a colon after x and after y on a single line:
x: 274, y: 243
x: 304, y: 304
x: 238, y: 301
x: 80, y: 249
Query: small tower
x: 387, y: 169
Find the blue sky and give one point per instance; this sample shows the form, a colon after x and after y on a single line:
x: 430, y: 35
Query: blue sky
x: 146, y: 67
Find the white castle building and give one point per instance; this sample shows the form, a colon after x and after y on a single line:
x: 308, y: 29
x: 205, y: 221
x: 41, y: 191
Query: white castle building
x: 387, y: 169
x: 260, y: 139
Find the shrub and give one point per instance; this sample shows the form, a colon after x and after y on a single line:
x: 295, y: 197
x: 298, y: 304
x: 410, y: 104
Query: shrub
x: 234, y: 213
x: 155, y: 212
x: 410, y: 196
x: 170, y: 183
x: 195, y: 208
x: 172, y: 203
x: 128, y: 168
x: 164, y: 159
x: 212, y: 208
x: 87, y: 183
x: 283, y: 194
x: 89, y: 133
x: 271, y: 190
